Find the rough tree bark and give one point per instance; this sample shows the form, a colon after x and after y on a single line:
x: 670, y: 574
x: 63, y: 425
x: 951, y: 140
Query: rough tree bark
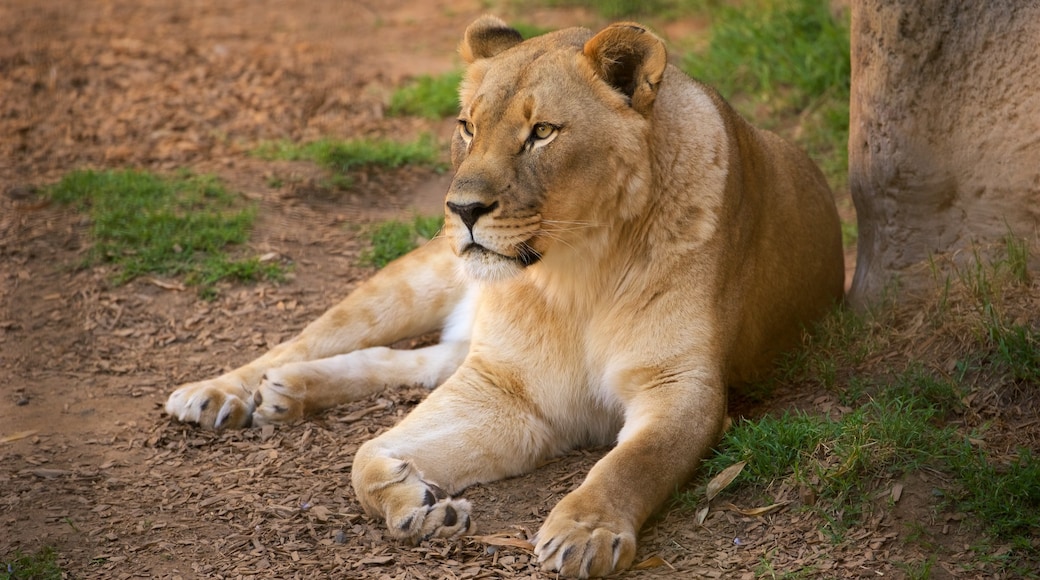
x: 944, y: 144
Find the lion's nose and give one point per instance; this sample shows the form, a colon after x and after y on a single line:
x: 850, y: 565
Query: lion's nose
x: 469, y: 213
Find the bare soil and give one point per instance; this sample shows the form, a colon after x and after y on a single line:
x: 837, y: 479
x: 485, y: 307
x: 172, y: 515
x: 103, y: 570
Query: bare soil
x: 88, y: 461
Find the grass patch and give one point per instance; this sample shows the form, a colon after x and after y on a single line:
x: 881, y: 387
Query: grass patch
x: 182, y: 225
x: 917, y: 385
x: 892, y: 433
x: 899, y: 428
x: 782, y: 59
x: 392, y: 239
x: 40, y: 565
x: 1004, y: 495
x: 344, y: 157
x: 432, y: 97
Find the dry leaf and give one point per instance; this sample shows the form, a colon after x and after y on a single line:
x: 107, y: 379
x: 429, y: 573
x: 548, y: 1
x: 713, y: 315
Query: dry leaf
x: 50, y: 473
x: 723, y: 479
x: 165, y: 285
x: 18, y: 435
x: 759, y: 511
x: 504, y: 540
x: 897, y: 492
x: 321, y: 512
x: 361, y: 413
x: 702, y: 514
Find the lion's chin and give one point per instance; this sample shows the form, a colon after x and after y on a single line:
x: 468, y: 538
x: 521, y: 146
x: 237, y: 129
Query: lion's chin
x: 487, y: 266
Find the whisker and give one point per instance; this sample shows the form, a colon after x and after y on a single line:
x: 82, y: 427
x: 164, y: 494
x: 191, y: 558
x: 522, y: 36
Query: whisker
x: 579, y: 224
x: 551, y: 235
x: 550, y: 227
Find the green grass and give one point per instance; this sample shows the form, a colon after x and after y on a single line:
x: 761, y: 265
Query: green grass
x: 437, y: 97
x: 892, y: 433
x: 619, y: 9
x: 433, y: 97
x: 1006, y: 496
x: 147, y: 224
x: 349, y: 155
x: 900, y: 429
x: 913, y: 385
x: 527, y: 30
x: 345, y: 157
x: 40, y: 565
x: 392, y: 239
x: 1010, y: 347
x: 782, y: 59
x: 907, y: 415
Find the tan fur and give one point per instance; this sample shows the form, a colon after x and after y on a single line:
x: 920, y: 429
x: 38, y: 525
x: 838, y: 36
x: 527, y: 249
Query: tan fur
x: 631, y: 247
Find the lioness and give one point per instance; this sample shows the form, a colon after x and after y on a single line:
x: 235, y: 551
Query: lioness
x: 619, y: 246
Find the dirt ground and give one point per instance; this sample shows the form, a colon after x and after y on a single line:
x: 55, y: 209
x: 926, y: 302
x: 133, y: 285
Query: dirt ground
x: 88, y: 461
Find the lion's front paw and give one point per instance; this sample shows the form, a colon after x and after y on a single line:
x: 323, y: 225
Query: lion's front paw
x: 213, y: 404
x: 413, y: 508
x: 583, y: 542
x: 276, y: 400
x: 436, y: 518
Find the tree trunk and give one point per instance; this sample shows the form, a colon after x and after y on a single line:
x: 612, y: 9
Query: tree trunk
x: 944, y: 143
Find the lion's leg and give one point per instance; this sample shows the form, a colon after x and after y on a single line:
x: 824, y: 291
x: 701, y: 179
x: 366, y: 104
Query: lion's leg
x: 291, y: 391
x: 415, y: 294
x: 668, y: 428
x: 462, y: 434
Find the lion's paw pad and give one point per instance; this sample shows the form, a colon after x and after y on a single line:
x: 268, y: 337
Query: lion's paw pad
x: 275, y: 401
x: 438, y: 517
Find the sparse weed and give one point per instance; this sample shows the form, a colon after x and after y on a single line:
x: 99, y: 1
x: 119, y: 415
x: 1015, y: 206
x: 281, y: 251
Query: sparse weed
x: 841, y: 340
x: 1017, y: 250
x: 1006, y: 496
x: 766, y: 569
x: 1010, y: 346
x: 39, y: 565
x: 918, y: 570
x: 146, y: 224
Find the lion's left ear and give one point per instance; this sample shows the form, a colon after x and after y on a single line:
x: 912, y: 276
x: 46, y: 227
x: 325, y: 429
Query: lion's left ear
x: 631, y: 59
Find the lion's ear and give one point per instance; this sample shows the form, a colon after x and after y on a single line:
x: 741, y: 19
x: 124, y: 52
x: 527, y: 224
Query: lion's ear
x: 631, y: 59
x: 486, y: 37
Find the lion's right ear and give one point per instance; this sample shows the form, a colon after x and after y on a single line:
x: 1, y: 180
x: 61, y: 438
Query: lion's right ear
x: 486, y: 37
x: 631, y: 59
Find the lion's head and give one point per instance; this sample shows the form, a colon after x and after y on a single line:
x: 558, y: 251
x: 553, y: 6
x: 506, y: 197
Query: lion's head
x: 551, y: 143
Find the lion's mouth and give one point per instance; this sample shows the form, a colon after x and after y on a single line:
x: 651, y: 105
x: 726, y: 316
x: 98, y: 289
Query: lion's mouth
x: 525, y: 254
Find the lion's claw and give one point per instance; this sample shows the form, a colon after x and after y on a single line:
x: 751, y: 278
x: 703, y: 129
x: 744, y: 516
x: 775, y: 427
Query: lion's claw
x: 584, y: 546
x: 211, y: 404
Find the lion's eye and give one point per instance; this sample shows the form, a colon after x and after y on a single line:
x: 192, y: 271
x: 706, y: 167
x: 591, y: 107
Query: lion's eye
x: 467, y: 128
x: 543, y: 131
